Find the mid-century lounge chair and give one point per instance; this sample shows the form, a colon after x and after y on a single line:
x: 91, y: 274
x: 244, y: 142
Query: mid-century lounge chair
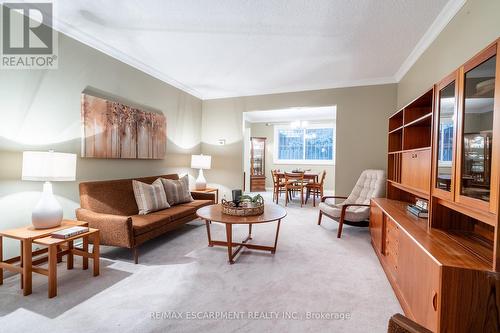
x: 355, y: 209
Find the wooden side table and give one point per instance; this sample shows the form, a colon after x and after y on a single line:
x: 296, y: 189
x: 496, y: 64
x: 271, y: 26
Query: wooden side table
x: 210, y: 190
x: 23, y: 264
x: 54, y: 243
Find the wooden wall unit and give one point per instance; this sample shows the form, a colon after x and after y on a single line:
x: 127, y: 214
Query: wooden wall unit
x: 445, y: 147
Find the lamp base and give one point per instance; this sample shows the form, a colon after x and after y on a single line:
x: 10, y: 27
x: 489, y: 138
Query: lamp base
x: 48, y: 212
x: 201, y: 182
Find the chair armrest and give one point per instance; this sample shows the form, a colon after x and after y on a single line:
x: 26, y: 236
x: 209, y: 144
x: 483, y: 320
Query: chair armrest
x: 344, y: 209
x: 400, y: 323
x: 114, y: 230
x: 203, y: 196
x: 332, y: 197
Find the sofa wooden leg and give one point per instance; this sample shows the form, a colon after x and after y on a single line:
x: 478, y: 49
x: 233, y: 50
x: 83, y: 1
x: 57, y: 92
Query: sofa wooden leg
x: 319, y: 217
x: 136, y: 255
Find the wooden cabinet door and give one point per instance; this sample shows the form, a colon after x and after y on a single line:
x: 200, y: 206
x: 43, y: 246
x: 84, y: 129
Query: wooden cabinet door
x: 415, y: 169
x: 445, y: 125
x: 377, y: 227
x: 477, y: 175
x: 418, y: 280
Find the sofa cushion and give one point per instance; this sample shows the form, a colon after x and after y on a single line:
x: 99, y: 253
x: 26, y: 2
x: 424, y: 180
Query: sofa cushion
x: 176, y: 212
x: 199, y: 203
x: 177, y: 190
x: 145, y: 223
x: 150, y: 198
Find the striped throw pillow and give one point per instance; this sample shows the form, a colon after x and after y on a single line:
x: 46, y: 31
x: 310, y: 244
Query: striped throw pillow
x: 150, y: 198
x: 177, y: 190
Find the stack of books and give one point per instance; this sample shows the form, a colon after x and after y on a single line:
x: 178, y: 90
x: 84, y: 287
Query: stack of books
x: 69, y: 232
x: 419, y: 209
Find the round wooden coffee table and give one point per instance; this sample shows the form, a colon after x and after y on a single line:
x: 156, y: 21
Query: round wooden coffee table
x: 213, y: 213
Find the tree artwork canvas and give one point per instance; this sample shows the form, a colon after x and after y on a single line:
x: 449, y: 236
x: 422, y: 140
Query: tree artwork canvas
x: 115, y: 130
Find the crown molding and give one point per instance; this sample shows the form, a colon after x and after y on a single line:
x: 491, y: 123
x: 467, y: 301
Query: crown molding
x: 333, y: 85
x: 444, y: 17
x: 99, y: 45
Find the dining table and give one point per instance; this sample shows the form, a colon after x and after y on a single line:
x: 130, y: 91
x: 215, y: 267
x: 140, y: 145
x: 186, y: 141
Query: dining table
x: 308, y: 175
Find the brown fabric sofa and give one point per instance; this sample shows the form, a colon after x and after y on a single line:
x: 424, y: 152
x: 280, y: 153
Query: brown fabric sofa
x: 110, y: 206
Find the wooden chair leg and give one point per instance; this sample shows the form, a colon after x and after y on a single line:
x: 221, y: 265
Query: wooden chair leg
x: 319, y: 217
x: 341, y: 224
x: 301, y: 197
x: 286, y: 199
x: 314, y: 198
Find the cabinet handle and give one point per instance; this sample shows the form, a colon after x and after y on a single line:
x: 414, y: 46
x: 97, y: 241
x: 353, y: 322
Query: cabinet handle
x: 434, y: 301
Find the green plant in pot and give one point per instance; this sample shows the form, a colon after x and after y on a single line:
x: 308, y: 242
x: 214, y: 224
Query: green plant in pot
x: 250, y: 202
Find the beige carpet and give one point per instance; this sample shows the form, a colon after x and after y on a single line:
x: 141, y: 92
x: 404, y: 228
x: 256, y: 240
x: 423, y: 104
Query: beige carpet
x: 314, y: 283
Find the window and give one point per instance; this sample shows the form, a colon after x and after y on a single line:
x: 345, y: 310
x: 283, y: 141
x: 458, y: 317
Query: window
x: 309, y: 145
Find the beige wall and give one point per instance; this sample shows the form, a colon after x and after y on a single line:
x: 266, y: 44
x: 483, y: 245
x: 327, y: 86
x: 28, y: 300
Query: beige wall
x: 262, y: 130
x: 40, y: 110
x: 361, y: 132
x: 475, y: 26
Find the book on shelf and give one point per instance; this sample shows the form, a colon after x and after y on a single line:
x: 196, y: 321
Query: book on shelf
x: 418, y: 211
x: 423, y: 204
x: 69, y: 232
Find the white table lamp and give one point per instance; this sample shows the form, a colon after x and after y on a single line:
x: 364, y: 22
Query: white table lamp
x: 47, y: 167
x: 201, y: 162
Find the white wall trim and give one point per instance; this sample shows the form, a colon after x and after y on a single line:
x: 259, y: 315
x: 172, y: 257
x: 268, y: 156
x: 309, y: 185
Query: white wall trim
x: 444, y: 17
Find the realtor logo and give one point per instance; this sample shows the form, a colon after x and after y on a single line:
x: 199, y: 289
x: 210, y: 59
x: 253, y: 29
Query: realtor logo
x: 28, y: 40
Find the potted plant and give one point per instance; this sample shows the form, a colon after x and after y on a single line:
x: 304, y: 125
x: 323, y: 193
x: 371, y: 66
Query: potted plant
x: 251, y: 202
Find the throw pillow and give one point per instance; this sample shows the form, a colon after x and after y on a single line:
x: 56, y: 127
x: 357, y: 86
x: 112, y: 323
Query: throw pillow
x: 150, y: 198
x: 177, y: 190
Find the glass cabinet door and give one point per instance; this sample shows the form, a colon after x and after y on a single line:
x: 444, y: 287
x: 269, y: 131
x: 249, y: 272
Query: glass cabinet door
x: 258, y: 151
x: 445, y: 135
x: 477, y: 130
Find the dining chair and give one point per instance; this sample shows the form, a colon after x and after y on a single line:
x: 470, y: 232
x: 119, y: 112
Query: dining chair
x: 316, y: 188
x: 294, y: 182
x: 355, y: 209
x: 278, y: 185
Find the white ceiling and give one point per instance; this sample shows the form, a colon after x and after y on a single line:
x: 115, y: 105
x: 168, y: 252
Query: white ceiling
x: 292, y: 114
x: 225, y: 48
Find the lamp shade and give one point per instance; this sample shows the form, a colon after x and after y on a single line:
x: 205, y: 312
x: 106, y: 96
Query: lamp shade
x: 48, y: 166
x: 201, y: 161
